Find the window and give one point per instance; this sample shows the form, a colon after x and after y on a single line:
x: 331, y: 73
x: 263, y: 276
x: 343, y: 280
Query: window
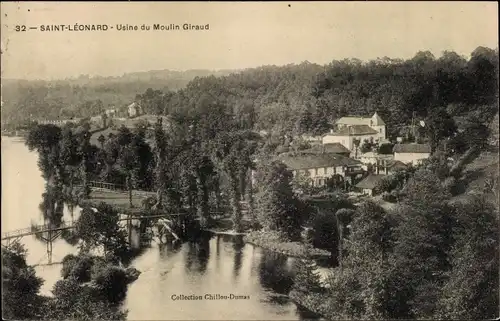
x: 380, y: 129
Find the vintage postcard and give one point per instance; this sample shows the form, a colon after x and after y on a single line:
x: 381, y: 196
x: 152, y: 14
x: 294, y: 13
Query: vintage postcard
x: 249, y: 160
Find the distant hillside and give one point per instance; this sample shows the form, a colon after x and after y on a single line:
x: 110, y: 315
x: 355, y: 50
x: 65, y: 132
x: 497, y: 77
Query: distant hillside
x: 64, y: 98
x: 286, y: 100
x: 173, y: 79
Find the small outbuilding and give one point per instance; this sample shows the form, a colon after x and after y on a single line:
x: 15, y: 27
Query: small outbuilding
x: 367, y: 184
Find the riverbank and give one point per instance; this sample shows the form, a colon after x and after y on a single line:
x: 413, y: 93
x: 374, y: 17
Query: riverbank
x: 314, y: 302
x: 271, y: 241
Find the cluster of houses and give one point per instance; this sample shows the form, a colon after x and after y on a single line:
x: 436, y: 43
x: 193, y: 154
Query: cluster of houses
x: 131, y: 111
x: 336, y: 155
x: 333, y: 156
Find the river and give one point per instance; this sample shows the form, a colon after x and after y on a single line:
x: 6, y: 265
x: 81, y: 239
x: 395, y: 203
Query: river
x: 218, y: 266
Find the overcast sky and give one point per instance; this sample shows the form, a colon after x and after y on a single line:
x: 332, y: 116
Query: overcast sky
x: 241, y: 34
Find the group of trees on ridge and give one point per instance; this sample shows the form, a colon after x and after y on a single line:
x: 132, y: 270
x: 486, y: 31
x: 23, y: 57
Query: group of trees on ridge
x: 300, y: 98
x: 210, y: 149
x: 429, y: 257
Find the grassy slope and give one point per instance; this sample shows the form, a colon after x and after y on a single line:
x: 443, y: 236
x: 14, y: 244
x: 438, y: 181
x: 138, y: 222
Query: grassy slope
x: 476, y: 173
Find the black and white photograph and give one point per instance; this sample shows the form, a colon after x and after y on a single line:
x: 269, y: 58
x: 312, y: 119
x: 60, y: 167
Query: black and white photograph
x: 248, y: 160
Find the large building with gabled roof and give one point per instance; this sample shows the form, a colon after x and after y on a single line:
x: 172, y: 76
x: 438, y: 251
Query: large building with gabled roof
x: 350, y: 129
x: 320, y: 167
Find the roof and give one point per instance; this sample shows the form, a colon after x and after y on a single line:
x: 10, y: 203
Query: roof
x: 353, y: 121
x: 377, y: 156
x: 377, y: 121
x: 335, y: 148
x: 370, y: 181
x: 310, y: 160
x: 369, y: 155
x: 395, y: 164
x: 412, y: 148
x: 310, y: 137
x: 354, y: 130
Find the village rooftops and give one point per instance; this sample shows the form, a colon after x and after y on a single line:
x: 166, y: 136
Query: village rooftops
x: 308, y: 160
x: 354, y: 130
x: 395, y: 165
x: 375, y: 120
x: 353, y: 121
x: 376, y: 155
x: 412, y: 148
x: 335, y: 148
x: 370, y: 181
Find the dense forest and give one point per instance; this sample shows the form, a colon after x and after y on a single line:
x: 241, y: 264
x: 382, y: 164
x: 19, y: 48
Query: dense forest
x: 432, y: 255
x: 288, y: 99
x: 86, y: 96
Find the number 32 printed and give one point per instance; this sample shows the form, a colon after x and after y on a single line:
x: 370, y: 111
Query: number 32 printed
x: 21, y: 28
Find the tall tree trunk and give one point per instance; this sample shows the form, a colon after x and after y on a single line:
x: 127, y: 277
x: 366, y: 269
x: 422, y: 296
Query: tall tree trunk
x: 86, y: 188
x: 243, y: 175
x: 235, y: 202
x: 217, y: 194
x: 340, y: 258
x: 159, y: 199
x: 251, y: 210
x: 202, y: 208
x: 129, y: 187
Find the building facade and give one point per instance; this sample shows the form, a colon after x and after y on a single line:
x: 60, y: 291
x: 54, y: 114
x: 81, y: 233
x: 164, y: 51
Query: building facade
x: 347, y: 135
x: 375, y: 122
x: 368, y: 184
x: 134, y: 110
x: 318, y: 168
x: 411, y: 153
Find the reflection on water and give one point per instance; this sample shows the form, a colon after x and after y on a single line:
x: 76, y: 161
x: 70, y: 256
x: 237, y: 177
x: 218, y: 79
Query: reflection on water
x: 275, y: 272
x: 213, y: 265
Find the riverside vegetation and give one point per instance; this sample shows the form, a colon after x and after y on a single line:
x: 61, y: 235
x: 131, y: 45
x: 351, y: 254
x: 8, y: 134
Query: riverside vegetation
x: 434, y: 255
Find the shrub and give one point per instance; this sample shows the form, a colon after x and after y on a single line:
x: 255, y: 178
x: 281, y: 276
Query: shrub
x: 454, y: 186
x: 77, y: 267
x: 112, y: 282
x: 324, y: 232
x: 385, y: 149
x: 390, y: 197
x: 275, y: 241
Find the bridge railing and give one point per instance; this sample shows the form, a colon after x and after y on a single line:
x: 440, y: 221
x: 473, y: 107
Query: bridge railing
x: 35, y: 229
x: 105, y: 185
x: 118, y: 188
x: 16, y: 232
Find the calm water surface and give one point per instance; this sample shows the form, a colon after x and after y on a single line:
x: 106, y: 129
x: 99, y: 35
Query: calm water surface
x: 216, y: 265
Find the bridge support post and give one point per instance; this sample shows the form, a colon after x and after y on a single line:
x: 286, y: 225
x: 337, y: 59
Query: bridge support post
x: 49, y: 247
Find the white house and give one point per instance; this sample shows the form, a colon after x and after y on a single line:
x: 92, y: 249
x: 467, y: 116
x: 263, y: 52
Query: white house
x: 133, y: 110
x: 320, y: 167
x: 311, y: 139
x: 334, y: 148
x: 375, y: 122
x: 411, y: 153
x: 368, y: 184
x: 389, y: 167
x: 110, y: 112
x: 371, y: 158
x: 347, y: 135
